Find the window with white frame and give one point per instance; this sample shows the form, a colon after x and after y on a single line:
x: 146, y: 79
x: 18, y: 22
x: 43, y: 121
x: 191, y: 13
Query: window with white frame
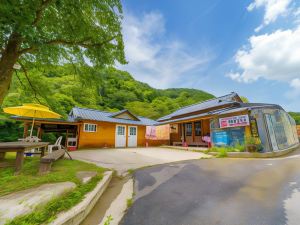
x: 88, y: 127
x: 121, y: 130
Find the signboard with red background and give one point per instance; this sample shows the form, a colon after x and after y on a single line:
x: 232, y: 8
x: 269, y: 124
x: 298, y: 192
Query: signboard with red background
x: 234, y: 121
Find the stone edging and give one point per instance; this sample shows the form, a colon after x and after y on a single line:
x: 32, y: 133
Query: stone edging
x: 257, y: 154
x: 77, y: 214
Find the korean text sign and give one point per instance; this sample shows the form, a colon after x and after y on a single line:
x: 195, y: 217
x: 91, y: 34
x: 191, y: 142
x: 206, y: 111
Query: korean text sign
x: 234, y: 121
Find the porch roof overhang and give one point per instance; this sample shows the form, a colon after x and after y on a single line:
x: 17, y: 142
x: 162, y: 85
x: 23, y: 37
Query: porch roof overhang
x: 45, y: 121
x: 50, y: 125
x: 207, y: 115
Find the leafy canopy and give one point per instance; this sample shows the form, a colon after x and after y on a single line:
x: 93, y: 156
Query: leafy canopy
x: 56, y: 31
x: 105, y: 89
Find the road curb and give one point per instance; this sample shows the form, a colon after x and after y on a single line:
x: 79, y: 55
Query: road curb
x: 78, y: 213
x: 257, y: 154
x: 118, y: 207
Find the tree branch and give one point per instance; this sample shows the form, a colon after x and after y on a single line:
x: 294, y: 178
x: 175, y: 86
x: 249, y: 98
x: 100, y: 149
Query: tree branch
x: 40, y: 10
x: 20, y: 80
x: 31, y: 85
x: 84, y: 43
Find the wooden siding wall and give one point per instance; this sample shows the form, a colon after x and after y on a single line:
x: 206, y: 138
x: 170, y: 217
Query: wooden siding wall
x: 176, y: 137
x: 298, y: 130
x: 104, y: 137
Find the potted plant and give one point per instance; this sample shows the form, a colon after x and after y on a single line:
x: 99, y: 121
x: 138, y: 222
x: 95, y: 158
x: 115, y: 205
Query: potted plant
x: 251, y: 144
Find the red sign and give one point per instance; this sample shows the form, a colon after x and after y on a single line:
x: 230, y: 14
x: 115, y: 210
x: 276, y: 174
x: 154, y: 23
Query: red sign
x: 234, y: 121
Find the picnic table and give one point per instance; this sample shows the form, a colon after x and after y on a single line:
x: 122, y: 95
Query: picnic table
x: 20, y: 148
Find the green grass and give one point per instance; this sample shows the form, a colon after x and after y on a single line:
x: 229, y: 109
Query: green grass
x: 108, y: 220
x: 48, y: 213
x: 222, y: 150
x: 130, y: 171
x: 129, y: 202
x: 62, y: 170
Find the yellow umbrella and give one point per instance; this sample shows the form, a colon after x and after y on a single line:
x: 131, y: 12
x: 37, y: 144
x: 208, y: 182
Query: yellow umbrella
x: 32, y: 110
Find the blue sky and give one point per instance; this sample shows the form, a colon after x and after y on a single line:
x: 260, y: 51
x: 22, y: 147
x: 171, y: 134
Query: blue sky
x: 251, y: 46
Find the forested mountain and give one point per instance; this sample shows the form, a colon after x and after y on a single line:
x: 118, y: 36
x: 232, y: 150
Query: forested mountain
x: 64, y: 87
x: 296, y: 116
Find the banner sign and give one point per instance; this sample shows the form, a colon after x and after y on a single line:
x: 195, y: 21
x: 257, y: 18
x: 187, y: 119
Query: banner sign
x: 234, y: 121
x: 253, y: 126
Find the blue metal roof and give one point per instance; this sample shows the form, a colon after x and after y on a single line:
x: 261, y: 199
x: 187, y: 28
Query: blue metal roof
x: 222, y: 111
x: 97, y: 115
x: 239, y: 107
x: 212, y: 103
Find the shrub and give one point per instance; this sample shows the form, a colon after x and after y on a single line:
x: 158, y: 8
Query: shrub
x: 239, y: 148
x: 222, y: 152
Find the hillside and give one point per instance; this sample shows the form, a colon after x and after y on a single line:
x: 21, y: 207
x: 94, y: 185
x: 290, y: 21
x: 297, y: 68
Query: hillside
x: 296, y: 116
x: 62, y: 88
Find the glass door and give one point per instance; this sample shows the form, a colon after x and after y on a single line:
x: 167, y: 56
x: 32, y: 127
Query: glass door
x: 271, y: 132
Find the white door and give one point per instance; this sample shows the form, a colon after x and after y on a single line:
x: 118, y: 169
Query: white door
x: 120, y: 136
x: 132, y: 136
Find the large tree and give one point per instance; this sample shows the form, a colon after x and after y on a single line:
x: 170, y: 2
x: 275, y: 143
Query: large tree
x: 53, y: 32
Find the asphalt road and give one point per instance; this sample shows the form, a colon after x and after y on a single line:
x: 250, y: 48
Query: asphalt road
x: 218, y: 191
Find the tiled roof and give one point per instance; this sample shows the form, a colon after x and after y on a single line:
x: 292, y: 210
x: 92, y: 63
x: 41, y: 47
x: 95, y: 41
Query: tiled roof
x: 216, y: 102
x: 215, y: 112
x: 231, y: 108
x: 97, y: 115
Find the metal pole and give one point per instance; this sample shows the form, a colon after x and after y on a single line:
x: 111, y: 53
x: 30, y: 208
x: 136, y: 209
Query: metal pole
x: 32, y: 127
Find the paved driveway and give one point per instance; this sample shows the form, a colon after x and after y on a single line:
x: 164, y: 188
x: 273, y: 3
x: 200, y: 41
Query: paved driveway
x: 131, y: 158
x: 218, y: 191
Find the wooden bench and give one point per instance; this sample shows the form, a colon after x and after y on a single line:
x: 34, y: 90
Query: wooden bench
x: 46, y: 161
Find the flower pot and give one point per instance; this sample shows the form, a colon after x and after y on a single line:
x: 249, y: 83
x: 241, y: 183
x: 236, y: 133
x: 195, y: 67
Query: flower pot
x: 251, y: 148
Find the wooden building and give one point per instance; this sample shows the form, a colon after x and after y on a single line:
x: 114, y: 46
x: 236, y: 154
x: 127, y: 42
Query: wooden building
x: 298, y: 130
x: 90, y: 128
x: 228, y: 121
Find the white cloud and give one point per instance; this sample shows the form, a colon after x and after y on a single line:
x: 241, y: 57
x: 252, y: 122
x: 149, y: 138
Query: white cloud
x: 273, y: 9
x: 153, y: 57
x: 274, y: 56
x: 235, y: 76
x: 295, y: 83
x: 293, y: 94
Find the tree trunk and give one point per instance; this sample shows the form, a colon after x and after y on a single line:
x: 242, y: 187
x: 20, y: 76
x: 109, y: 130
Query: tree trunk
x: 8, y: 58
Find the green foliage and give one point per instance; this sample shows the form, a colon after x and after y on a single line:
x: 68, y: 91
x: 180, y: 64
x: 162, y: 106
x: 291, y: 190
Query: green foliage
x: 53, y: 31
x: 250, y: 141
x: 129, y: 202
x: 296, y: 116
x: 61, y: 89
x: 62, y: 170
x: 35, y: 33
x: 239, y: 147
x: 244, y: 99
x: 108, y: 220
x: 222, y: 152
x: 10, y: 130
